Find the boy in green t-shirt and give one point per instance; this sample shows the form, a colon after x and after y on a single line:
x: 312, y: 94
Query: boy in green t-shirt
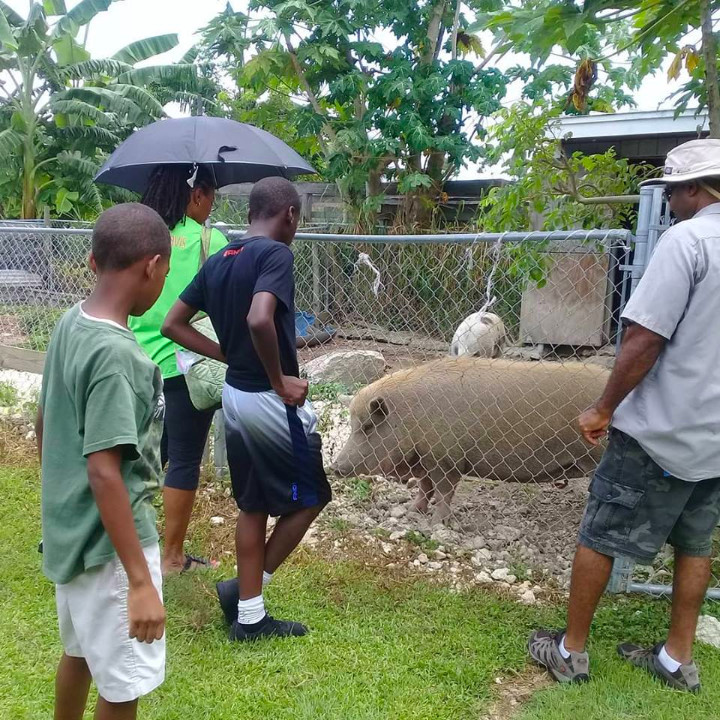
x: 99, y: 425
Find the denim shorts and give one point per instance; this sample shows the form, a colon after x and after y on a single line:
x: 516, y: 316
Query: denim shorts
x: 635, y: 507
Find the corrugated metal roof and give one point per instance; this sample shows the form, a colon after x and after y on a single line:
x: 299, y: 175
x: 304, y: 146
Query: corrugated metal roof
x: 632, y: 124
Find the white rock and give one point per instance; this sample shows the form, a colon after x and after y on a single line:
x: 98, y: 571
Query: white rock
x: 483, y: 578
x: 481, y: 334
x: 423, y: 558
x: 217, y: 520
x: 30, y: 436
x: 484, y: 554
x: 387, y: 548
x: 528, y: 598
x: 351, y: 367
x: 440, y: 555
x: 398, y: 511
x: 501, y: 573
x: 708, y: 630
x: 397, y: 535
x: 435, y: 566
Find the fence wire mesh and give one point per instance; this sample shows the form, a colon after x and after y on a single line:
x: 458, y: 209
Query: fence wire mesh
x: 447, y: 374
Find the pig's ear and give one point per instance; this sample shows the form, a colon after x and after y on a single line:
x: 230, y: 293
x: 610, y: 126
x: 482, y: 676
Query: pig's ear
x: 378, y: 409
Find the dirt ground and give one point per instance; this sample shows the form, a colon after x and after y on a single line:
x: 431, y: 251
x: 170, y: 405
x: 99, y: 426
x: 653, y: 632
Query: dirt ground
x: 396, y: 356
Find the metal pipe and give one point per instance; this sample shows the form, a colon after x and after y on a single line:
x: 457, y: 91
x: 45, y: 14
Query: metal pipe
x: 32, y: 230
x: 450, y: 238
x: 464, y: 238
x: 607, y: 199
x: 662, y: 590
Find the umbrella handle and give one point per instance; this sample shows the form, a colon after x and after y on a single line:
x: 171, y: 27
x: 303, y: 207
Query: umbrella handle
x: 224, y: 149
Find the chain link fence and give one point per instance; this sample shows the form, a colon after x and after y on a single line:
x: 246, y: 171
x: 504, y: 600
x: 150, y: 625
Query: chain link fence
x: 446, y: 371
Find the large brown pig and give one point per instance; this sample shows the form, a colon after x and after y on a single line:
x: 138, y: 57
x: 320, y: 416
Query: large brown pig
x: 498, y: 419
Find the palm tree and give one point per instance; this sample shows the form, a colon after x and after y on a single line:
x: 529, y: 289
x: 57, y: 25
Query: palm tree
x: 63, y: 110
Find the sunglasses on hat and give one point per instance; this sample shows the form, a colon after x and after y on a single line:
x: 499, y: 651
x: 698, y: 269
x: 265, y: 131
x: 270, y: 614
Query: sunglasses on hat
x: 670, y: 189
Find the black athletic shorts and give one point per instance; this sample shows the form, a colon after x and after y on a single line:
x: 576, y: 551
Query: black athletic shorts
x: 274, y: 453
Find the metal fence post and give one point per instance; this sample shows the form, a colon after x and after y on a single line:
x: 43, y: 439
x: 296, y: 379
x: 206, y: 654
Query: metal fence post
x: 621, y: 576
x: 657, y: 225
x: 641, y: 256
x: 316, y: 278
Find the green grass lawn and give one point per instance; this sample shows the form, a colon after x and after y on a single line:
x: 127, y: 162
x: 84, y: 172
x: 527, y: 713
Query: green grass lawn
x: 381, y: 646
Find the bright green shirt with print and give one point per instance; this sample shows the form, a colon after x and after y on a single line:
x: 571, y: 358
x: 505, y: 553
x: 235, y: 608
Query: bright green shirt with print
x: 184, y: 265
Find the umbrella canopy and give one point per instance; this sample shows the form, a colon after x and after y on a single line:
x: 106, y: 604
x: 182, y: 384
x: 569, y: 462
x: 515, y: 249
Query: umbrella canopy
x: 235, y: 152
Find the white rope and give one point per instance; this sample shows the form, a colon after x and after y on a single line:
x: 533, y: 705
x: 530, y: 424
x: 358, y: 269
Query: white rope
x: 490, y: 299
x: 364, y: 259
x: 191, y: 180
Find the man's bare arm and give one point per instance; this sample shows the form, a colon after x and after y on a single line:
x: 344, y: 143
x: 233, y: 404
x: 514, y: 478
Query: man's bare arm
x: 638, y: 354
x: 261, y: 323
x: 177, y: 328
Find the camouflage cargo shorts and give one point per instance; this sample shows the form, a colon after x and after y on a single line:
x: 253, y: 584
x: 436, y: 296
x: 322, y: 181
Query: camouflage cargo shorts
x: 635, y: 507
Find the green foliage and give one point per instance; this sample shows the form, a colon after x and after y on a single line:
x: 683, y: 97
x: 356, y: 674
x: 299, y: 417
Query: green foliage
x: 360, y: 489
x: 404, y: 110
x: 64, y: 103
x: 37, y: 323
x: 8, y: 394
x: 642, y: 34
x: 548, y: 185
x: 328, y: 391
x: 419, y: 539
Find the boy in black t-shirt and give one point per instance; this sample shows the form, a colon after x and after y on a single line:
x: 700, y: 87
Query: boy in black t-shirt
x: 274, y: 449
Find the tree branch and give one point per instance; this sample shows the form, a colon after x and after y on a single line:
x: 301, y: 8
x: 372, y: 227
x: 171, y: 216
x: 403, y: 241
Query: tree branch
x: 306, y: 87
x: 709, y: 50
x: 433, y: 32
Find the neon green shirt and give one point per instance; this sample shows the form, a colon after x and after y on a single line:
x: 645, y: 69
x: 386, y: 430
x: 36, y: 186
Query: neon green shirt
x: 184, y: 265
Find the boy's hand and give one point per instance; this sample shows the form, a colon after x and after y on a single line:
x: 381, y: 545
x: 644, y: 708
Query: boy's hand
x: 146, y: 613
x: 292, y: 390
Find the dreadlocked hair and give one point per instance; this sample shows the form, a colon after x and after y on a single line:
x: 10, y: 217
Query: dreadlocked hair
x: 168, y: 192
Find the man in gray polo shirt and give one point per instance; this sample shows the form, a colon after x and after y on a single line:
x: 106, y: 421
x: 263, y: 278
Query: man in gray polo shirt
x: 659, y: 479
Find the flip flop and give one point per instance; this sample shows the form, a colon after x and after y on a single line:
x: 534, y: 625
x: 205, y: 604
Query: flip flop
x: 193, y: 563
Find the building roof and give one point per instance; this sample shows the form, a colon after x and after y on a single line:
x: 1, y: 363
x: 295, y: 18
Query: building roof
x: 633, y: 124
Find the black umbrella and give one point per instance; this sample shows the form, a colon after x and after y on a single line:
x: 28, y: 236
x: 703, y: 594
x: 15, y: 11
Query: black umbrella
x: 235, y: 152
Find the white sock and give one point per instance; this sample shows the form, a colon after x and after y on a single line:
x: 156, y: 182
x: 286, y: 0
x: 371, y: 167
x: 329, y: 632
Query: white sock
x: 563, y: 650
x: 267, y: 578
x: 667, y: 662
x: 251, y: 611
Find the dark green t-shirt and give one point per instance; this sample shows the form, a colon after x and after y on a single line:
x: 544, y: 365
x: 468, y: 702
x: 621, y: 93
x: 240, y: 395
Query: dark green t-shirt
x: 99, y: 391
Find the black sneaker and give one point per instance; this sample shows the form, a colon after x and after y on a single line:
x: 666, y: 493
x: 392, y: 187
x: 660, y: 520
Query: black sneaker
x: 228, y: 593
x: 684, y: 678
x: 268, y: 627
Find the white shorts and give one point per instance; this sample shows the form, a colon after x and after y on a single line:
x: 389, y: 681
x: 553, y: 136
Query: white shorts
x: 93, y: 616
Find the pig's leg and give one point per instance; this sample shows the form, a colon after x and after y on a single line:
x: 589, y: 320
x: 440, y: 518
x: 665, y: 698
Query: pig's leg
x: 445, y: 482
x: 425, y: 492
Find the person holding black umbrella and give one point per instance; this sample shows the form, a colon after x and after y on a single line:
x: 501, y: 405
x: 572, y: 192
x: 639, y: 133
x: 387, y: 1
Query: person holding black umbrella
x: 183, y: 196
x: 176, y: 164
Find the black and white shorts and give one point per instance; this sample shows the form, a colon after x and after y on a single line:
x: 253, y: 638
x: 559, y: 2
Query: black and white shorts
x: 274, y: 453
